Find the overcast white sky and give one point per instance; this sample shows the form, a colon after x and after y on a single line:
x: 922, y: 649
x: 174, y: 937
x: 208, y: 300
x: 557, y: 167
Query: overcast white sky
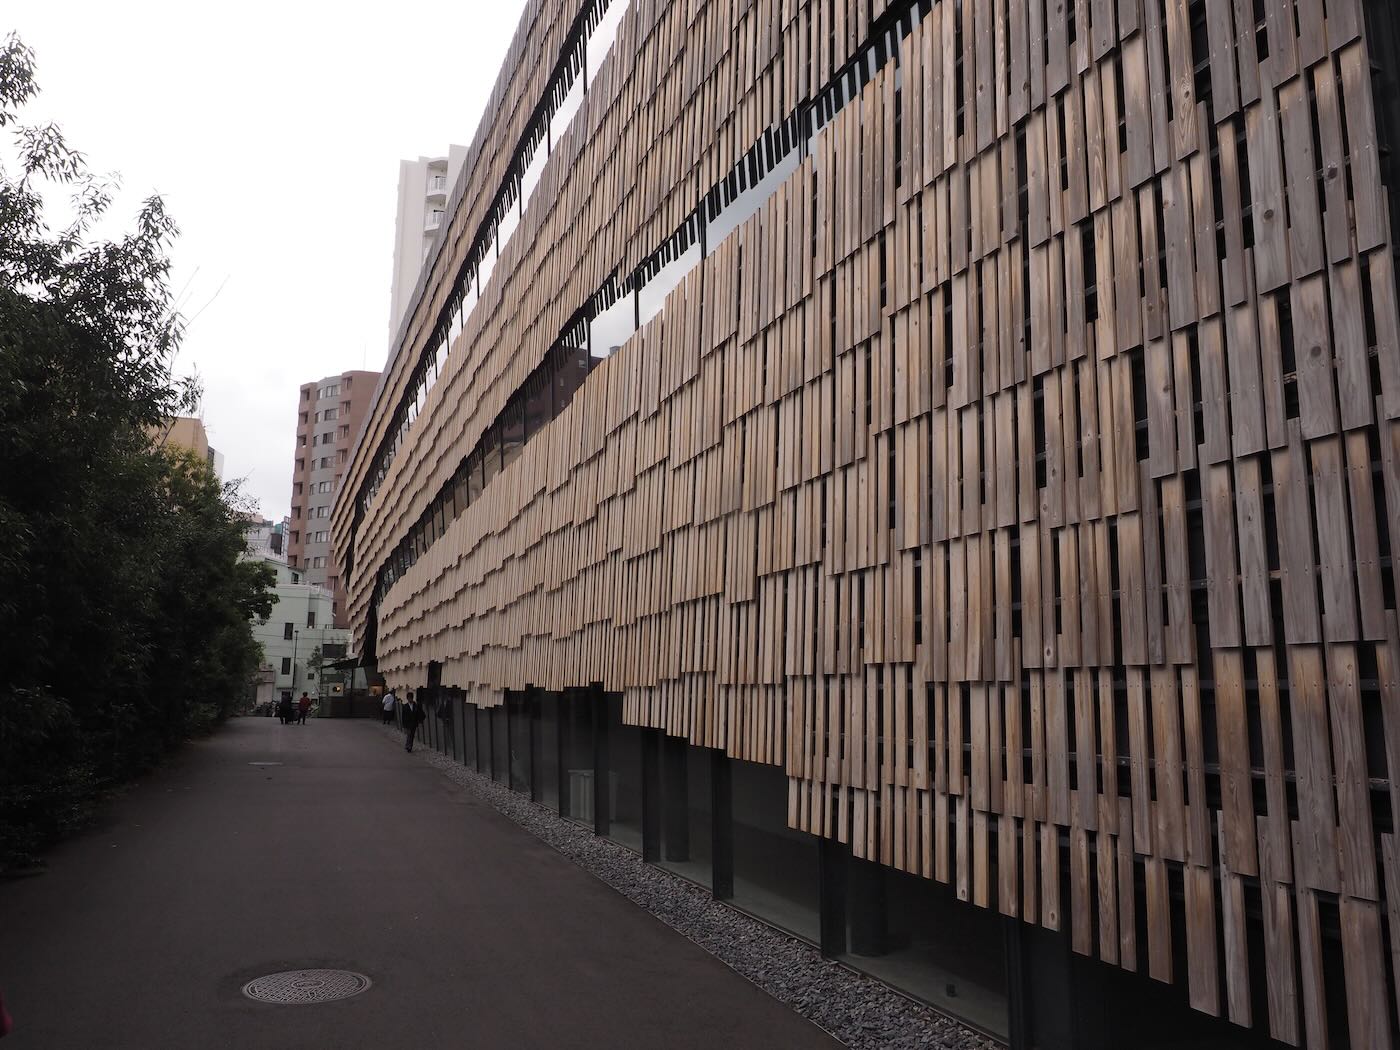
x: 274, y: 132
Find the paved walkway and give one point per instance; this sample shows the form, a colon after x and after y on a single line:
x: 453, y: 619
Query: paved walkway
x: 349, y: 854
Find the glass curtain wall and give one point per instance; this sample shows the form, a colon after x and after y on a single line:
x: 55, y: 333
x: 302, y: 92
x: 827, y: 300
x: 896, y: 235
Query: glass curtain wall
x: 518, y: 712
x: 686, y: 825
x: 483, y: 740
x: 578, y: 716
x: 624, y: 777
x: 545, y: 760
x: 776, y: 874
x: 915, y: 934
x: 458, y: 706
x: 469, y: 735
x: 500, y: 745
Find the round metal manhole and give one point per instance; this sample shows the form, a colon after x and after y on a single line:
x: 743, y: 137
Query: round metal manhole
x: 306, y: 986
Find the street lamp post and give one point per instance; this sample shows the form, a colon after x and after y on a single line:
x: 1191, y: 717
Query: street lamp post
x: 296, y: 636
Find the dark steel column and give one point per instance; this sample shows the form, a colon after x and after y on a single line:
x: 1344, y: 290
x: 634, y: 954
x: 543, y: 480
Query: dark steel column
x: 564, y: 710
x: 652, y: 800
x: 602, y: 817
x: 532, y: 718
x: 832, y: 860
x: 722, y: 825
x: 675, y: 798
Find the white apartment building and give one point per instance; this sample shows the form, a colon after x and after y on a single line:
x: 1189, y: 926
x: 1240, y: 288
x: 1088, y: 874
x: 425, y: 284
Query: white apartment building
x: 424, y: 186
x: 301, y: 620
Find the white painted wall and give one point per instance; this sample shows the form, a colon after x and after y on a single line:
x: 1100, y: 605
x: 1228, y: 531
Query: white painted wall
x: 295, y: 603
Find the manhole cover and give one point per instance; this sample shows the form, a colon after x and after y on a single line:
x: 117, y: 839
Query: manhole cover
x: 306, y: 986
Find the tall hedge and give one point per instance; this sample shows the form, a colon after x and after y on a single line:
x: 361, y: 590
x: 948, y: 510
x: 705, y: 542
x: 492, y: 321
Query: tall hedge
x: 124, y: 610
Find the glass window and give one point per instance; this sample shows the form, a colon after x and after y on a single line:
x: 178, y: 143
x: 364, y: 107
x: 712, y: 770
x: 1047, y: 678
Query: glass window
x: 491, y: 454
x: 539, y: 394
x: 600, y: 41
x: 483, y: 740
x: 545, y: 760
x: 915, y: 934
x: 459, y: 725
x: 311, y: 618
x: 469, y: 741
x: 750, y: 197
x: 508, y: 224
x: 533, y: 170
x: 469, y: 298
x: 564, y: 115
x: 500, y: 744
x: 577, y: 721
x: 686, y: 828
x: 652, y: 295
x: 287, y: 629
x: 483, y: 273
x: 512, y: 431
x: 775, y: 868
x: 459, y: 494
x: 518, y: 711
x: 624, y: 777
x: 571, y: 369
x: 611, y: 328
x: 476, y: 476
x: 286, y: 665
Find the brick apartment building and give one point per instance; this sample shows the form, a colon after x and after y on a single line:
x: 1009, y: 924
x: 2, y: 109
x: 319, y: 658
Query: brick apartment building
x: 329, y: 414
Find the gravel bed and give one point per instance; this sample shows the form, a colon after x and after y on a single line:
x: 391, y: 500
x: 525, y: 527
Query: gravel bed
x: 859, y: 1011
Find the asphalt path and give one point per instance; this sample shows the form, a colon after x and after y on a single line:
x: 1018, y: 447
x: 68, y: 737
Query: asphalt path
x: 347, y: 854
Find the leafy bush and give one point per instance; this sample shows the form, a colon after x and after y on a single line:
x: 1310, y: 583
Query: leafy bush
x: 124, y: 610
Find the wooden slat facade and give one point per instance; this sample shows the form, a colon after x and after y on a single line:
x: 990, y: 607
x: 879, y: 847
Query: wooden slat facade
x: 1020, y: 479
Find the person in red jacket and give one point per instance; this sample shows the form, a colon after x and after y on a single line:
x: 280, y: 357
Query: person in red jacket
x: 303, y: 706
x: 7, y: 1023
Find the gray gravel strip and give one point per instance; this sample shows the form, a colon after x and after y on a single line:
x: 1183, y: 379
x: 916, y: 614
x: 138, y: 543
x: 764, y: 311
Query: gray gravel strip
x: 860, y: 1011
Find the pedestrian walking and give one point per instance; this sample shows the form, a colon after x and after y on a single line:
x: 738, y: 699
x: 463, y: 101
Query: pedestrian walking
x: 389, y: 701
x: 303, y: 706
x: 284, y: 709
x: 412, y: 718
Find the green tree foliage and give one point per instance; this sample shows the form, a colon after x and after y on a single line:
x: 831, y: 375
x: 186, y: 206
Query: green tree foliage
x: 124, y: 608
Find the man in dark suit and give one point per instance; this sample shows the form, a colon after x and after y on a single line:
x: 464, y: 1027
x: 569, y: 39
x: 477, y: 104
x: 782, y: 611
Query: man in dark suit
x: 412, y: 717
